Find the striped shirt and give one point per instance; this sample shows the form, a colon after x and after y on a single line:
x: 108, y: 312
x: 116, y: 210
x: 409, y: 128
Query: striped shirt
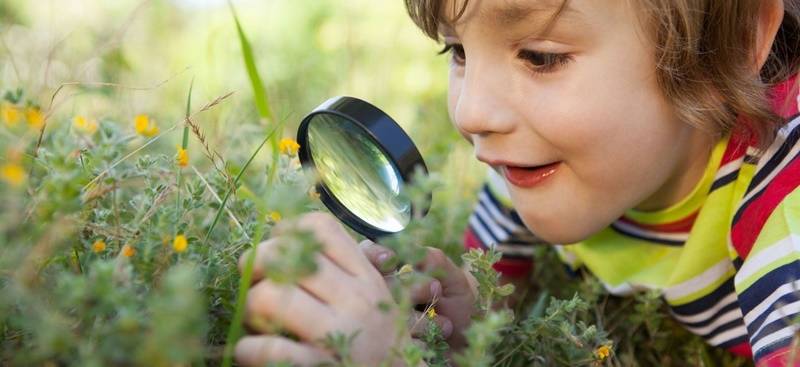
x: 726, y: 258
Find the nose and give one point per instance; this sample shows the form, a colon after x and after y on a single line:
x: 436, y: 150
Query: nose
x: 483, y: 101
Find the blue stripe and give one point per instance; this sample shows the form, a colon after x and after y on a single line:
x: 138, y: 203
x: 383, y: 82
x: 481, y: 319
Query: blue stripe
x: 767, y: 284
x: 733, y: 324
x: 646, y: 238
x: 775, y: 160
x: 734, y: 342
x: 772, y: 327
x: 477, y: 233
x: 779, y: 344
x: 707, y: 301
x: 785, y: 300
x: 489, y: 218
x: 731, y: 306
x: 508, y: 212
x: 724, y: 180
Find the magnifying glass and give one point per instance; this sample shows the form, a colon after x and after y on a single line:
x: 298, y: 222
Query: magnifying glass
x: 365, y: 163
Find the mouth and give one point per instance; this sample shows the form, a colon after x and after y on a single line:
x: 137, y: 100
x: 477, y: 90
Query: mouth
x: 529, y: 176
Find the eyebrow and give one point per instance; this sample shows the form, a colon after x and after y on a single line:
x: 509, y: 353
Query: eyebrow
x: 514, y: 12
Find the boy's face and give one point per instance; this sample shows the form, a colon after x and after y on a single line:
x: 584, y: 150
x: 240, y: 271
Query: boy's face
x: 580, y: 102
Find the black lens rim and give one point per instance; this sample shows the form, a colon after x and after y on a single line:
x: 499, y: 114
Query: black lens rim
x: 387, y: 135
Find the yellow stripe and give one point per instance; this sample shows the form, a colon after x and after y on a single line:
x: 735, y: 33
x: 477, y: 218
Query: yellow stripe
x: 782, y: 222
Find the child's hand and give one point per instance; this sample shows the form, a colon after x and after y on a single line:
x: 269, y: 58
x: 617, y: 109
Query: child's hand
x: 341, y: 297
x: 451, y: 288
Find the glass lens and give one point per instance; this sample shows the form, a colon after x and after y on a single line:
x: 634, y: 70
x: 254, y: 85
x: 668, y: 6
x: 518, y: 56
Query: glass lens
x: 358, y: 173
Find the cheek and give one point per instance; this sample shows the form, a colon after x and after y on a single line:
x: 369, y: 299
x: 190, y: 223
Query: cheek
x: 453, y: 91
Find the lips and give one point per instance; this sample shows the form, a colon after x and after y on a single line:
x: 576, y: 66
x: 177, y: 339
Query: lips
x: 529, y: 176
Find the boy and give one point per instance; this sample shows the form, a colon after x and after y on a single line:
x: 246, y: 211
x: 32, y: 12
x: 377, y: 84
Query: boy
x: 656, y: 137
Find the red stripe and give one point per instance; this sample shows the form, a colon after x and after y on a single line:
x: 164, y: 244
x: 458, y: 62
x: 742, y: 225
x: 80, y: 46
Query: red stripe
x: 747, y: 229
x: 681, y: 225
x: 737, y: 147
x: 515, y: 268
x: 779, y: 358
x: 783, y: 97
x: 742, y: 350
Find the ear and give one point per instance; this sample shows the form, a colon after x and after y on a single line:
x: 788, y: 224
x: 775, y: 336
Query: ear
x: 770, y: 17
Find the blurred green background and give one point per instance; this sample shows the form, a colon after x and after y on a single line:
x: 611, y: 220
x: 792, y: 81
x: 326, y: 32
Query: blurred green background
x: 306, y: 51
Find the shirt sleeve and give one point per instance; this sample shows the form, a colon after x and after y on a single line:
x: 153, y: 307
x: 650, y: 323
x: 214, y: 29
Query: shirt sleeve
x: 495, y: 224
x: 765, y: 244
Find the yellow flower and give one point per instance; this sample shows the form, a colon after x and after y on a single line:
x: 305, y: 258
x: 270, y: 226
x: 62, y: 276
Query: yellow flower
x: 99, y: 246
x: 602, y: 352
x: 288, y: 146
x: 183, y: 157
x: 10, y: 114
x: 128, y: 251
x: 405, y: 269
x: 84, y: 125
x: 144, y: 126
x: 179, y: 243
x: 35, y: 117
x: 13, y: 174
x: 431, y: 313
x: 275, y: 216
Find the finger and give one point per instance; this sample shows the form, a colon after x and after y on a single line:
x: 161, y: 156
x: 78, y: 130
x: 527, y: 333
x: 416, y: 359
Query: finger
x: 420, y: 322
x: 425, y: 290
x: 258, y: 350
x: 262, y: 252
x: 336, y: 242
x: 442, y: 268
x: 381, y: 258
x: 421, y: 288
x: 330, y: 283
x: 290, y: 307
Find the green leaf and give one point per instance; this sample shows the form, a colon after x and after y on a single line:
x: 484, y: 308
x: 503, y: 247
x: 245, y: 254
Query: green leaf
x: 259, y: 92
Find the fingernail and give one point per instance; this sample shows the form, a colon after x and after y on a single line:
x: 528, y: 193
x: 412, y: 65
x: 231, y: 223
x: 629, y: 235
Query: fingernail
x: 436, y: 288
x: 383, y: 257
x: 447, y: 328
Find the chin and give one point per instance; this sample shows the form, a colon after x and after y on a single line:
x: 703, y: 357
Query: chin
x: 563, y: 233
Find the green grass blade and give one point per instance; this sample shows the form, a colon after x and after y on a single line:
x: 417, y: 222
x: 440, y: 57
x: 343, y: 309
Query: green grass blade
x: 184, y: 145
x: 235, y: 329
x: 259, y: 92
x: 236, y: 181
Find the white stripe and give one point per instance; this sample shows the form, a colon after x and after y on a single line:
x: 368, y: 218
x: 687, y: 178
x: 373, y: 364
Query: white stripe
x: 566, y: 256
x: 708, y: 313
x: 785, y: 333
x: 502, y: 219
x: 765, y: 305
x: 708, y: 277
x: 757, y: 261
x: 498, y: 185
x: 515, y: 250
x: 784, y: 312
x: 625, y: 289
x: 723, y: 319
x: 680, y: 236
x: 483, y: 235
x: 498, y: 232
x: 779, y: 140
x: 728, y: 335
x: 728, y: 168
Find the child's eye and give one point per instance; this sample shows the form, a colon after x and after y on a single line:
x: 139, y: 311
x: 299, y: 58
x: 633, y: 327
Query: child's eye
x: 543, y: 62
x: 457, y: 51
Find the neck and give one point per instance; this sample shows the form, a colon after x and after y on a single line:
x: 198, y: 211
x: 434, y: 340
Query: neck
x: 685, y: 173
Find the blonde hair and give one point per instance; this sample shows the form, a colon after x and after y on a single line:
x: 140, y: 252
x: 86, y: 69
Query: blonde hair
x: 704, y: 52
